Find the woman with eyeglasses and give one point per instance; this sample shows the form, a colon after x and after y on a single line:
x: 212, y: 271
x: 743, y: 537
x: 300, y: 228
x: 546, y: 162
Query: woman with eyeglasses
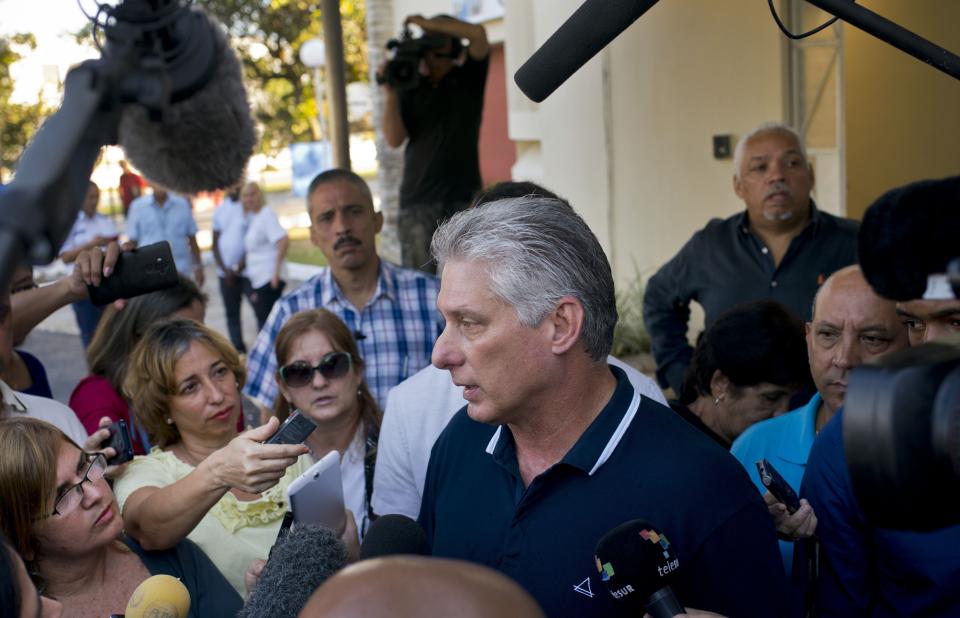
x: 321, y: 374
x: 201, y: 480
x: 61, y: 517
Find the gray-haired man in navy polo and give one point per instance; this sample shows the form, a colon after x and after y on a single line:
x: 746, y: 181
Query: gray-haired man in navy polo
x: 555, y: 447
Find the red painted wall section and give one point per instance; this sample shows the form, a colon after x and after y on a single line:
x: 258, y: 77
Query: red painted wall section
x: 497, y: 151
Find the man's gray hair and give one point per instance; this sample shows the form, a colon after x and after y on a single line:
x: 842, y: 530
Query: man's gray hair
x: 536, y: 250
x: 767, y: 127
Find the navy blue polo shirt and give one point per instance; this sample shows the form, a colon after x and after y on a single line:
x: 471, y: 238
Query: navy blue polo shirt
x: 637, y: 460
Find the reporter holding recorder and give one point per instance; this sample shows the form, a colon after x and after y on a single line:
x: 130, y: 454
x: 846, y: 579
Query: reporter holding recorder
x: 321, y: 374
x: 202, y: 481
x: 57, y: 509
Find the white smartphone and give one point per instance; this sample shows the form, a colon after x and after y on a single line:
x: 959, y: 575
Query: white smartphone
x: 316, y: 496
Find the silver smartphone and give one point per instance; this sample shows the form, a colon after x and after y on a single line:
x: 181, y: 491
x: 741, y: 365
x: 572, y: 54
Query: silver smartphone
x: 316, y: 496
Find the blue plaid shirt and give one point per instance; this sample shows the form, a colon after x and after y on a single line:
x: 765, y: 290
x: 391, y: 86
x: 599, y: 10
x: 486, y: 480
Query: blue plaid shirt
x: 400, y: 324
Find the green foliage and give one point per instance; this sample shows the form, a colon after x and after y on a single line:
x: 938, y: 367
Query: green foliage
x: 18, y: 121
x: 267, y: 35
x: 630, y: 335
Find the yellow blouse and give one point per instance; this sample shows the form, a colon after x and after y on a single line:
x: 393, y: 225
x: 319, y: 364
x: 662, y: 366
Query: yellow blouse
x: 233, y: 532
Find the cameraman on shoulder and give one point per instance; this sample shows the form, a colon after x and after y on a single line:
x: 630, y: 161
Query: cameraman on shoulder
x: 439, y: 113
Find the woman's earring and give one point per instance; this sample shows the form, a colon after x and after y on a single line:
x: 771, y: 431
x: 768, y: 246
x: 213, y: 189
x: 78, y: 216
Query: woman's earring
x: 169, y: 421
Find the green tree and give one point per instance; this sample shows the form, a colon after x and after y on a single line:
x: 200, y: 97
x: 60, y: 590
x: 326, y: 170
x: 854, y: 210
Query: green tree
x: 267, y: 35
x: 18, y: 121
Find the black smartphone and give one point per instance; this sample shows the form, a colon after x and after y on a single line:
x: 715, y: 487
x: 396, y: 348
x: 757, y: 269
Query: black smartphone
x: 294, y: 430
x: 120, y: 441
x: 145, y: 269
x: 777, y: 486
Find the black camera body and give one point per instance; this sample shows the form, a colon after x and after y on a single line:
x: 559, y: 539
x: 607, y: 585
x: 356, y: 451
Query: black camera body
x: 901, y: 432
x: 403, y: 70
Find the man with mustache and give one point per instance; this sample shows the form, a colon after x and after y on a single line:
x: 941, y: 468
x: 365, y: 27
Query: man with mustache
x: 780, y: 248
x: 850, y: 325
x: 391, y: 310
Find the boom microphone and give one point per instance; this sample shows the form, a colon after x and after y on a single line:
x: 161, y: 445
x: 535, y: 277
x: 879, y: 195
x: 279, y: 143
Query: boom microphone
x: 391, y: 535
x: 159, y: 596
x: 909, y: 237
x: 591, y: 28
x: 299, y: 562
x: 205, y: 136
x: 637, y: 563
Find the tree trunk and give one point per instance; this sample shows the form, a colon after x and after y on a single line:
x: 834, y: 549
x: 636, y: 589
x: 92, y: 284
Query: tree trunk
x: 380, y: 29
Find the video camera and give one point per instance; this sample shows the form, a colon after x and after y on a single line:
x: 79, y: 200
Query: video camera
x: 901, y: 424
x: 403, y: 70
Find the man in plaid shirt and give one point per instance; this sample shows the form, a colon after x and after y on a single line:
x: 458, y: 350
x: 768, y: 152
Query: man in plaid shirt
x: 391, y: 310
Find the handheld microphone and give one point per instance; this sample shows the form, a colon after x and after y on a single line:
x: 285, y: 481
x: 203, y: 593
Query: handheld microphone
x: 391, y: 535
x: 299, y: 562
x: 637, y: 562
x: 591, y: 28
x: 203, y: 138
x: 908, y: 239
x: 159, y: 596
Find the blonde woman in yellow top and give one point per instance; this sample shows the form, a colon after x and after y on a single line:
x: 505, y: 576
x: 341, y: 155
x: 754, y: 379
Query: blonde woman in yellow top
x: 203, y: 481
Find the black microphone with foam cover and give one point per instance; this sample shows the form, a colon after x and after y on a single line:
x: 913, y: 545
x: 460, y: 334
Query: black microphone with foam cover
x: 580, y: 38
x: 206, y: 134
x: 299, y: 562
x: 909, y: 234
x: 392, y: 535
x: 637, y: 563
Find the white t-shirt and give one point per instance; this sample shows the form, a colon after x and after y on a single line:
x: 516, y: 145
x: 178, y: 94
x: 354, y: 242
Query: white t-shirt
x: 417, y: 411
x: 260, y: 241
x: 230, y: 222
x: 60, y: 416
x: 86, y: 229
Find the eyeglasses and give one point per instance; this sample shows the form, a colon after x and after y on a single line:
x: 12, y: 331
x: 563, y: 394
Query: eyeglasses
x: 71, y: 497
x: 300, y: 373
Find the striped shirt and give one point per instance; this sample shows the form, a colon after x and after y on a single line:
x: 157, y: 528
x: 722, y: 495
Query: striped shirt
x: 395, y: 330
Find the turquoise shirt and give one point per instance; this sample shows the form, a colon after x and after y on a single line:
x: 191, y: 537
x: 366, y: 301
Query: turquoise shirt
x: 785, y: 441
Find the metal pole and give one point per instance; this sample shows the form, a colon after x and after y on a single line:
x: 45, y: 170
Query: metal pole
x: 336, y: 82
x: 318, y: 96
x: 890, y: 32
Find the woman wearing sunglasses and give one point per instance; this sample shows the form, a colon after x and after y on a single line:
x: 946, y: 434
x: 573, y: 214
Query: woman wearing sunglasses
x: 202, y: 481
x: 321, y: 374
x: 59, y: 514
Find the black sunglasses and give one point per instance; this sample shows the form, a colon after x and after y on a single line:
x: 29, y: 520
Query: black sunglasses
x: 300, y: 373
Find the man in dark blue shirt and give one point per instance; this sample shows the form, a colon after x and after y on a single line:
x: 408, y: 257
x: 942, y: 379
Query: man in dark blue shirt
x: 780, y: 248
x: 555, y: 447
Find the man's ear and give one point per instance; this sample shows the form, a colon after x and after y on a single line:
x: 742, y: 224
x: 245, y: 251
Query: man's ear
x: 566, y: 322
x: 378, y: 220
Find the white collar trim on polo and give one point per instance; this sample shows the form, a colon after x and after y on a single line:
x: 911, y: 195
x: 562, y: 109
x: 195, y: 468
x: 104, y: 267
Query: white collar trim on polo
x: 611, y: 443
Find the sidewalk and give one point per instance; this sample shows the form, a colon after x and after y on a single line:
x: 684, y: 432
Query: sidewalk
x: 56, y: 340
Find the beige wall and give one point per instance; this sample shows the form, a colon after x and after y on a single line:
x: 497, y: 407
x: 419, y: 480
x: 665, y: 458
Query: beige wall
x: 902, y: 116
x: 628, y: 139
x: 685, y: 72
